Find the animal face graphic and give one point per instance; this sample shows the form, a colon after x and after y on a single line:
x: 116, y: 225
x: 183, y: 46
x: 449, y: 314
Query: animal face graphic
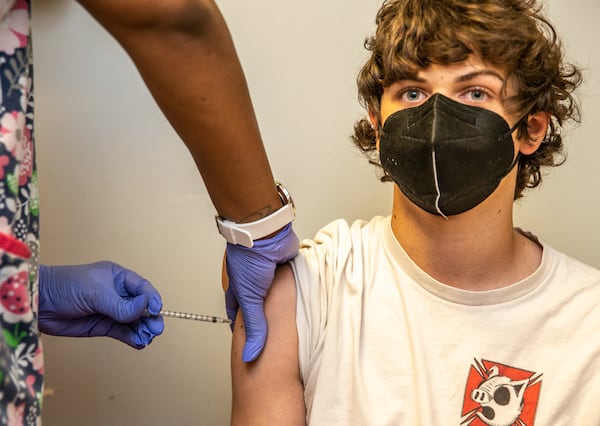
x: 500, y: 395
x: 501, y: 399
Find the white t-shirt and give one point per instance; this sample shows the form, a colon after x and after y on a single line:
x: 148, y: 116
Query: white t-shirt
x: 383, y: 343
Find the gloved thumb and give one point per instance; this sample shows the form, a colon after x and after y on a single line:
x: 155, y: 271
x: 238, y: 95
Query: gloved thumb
x: 255, y: 324
x: 126, y: 310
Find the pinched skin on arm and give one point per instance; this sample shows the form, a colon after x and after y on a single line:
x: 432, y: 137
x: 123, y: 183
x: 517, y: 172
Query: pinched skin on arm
x: 269, y: 391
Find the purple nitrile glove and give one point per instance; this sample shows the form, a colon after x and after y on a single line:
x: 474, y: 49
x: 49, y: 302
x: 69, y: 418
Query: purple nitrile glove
x: 99, y: 299
x: 250, y: 272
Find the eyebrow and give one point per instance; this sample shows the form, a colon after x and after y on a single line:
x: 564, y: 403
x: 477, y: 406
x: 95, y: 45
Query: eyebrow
x: 475, y: 74
x: 462, y: 78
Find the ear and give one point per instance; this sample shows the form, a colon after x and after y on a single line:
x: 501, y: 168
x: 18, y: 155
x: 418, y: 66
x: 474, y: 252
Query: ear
x: 537, y: 126
x: 375, y: 124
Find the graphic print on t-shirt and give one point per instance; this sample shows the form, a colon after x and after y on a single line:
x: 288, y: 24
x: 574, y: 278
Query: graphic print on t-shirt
x: 499, y: 395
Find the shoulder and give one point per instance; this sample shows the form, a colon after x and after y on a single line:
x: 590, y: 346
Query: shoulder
x: 573, y: 267
x: 339, y: 242
x: 570, y: 279
x: 340, y: 234
x: 332, y: 266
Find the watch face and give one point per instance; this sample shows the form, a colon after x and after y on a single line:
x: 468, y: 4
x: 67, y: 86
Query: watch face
x: 284, y: 194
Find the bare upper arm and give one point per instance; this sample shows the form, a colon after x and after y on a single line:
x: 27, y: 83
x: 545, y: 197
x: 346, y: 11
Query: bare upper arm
x: 269, y: 391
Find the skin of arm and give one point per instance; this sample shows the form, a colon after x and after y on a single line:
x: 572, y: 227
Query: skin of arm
x: 186, y: 57
x: 185, y: 54
x: 269, y: 390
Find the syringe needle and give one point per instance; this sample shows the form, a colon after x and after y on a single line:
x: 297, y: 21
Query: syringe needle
x: 195, y: 317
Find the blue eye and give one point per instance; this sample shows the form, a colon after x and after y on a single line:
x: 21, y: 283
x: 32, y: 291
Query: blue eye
x: 477, y: 95
x: 411, y: 95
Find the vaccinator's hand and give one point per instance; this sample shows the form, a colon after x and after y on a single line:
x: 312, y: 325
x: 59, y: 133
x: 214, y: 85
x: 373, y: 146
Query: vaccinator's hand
x: 99, y: 299
x: 250, y: 272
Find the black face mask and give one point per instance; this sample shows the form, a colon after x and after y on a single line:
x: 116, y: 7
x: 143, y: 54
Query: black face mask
x: 445, y: 156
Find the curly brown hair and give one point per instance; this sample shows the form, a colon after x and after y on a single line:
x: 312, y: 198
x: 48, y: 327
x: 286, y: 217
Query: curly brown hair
x: 513, y: 35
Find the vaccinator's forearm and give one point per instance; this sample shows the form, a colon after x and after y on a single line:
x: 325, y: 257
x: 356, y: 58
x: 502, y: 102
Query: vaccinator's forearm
x: 185, y: 54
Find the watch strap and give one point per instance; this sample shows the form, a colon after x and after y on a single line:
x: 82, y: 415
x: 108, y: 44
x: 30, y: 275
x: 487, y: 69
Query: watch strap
x: 245, y: 233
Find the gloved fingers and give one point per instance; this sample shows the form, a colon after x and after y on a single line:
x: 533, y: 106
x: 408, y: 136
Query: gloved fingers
x: 123, y: 309
x: 231, y: 306
x: 155, y: 324
x: 135, y: 285
x: 250, y: 272
x: 255, y: 324
x: 145, y: 288
x: 91, y: 325
x: 138, y: 334
x: 281, y: 247
x: 94, y: 325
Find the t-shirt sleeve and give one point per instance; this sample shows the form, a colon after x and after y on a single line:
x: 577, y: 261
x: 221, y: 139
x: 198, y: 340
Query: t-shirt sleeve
x: 315, y: 270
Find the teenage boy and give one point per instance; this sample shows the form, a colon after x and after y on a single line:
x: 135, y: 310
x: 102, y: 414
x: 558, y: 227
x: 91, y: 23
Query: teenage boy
x: 441, y: 313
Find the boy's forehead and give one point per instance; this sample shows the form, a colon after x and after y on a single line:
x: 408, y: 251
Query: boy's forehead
x: 462, y: 70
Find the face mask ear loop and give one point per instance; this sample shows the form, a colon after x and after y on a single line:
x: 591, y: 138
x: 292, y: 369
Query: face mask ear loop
x: 517, y: 124
x: 509, y: 134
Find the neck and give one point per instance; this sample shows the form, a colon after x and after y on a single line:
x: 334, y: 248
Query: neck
x: 476, y: 250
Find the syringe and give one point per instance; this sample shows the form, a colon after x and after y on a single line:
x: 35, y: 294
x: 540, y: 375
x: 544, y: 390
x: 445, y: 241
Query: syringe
x: 195, y: 317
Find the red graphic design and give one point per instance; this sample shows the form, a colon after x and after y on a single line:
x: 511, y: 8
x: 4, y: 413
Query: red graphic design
x: 499, y: 395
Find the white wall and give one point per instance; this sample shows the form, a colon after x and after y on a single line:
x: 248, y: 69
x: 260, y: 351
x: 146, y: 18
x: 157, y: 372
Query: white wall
x: 116, y: 183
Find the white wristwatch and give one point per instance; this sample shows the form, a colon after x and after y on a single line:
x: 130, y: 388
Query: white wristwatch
x: 244, y: 234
